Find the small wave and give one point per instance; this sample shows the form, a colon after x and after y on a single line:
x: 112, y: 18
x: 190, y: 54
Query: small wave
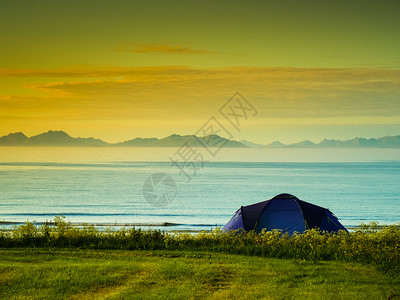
x: 105, y: 214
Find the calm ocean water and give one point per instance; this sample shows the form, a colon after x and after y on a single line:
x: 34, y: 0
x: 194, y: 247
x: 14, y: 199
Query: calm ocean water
x: 103, y: 185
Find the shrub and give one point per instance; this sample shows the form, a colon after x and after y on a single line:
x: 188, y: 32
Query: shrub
x: 369, y: 244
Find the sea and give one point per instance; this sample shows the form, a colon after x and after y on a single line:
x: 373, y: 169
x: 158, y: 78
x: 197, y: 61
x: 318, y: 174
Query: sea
x: 122, y: 186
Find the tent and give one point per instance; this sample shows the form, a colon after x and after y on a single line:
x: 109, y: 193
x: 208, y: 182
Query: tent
x: 285, y: 212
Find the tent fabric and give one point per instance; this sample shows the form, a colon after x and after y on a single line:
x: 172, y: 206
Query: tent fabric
x: 236, y: 221
x: 286, y: 213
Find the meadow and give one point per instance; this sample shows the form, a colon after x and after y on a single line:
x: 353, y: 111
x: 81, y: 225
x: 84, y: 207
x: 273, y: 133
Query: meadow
x: 163, y: 274
x: 66, y: 261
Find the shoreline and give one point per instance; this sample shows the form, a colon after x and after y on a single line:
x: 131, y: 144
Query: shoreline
x: 173, y: 227
x: 161, y: 224
x: 98, y: 224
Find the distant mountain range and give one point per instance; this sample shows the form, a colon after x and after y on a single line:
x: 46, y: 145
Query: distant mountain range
x: 383, y: 142
x: 61, y: 138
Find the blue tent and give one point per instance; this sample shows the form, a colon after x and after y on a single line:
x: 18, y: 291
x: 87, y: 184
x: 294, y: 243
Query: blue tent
x: 284, y: 212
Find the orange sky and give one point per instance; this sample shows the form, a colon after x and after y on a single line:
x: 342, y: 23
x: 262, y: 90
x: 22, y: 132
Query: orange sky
x: 127, y: 69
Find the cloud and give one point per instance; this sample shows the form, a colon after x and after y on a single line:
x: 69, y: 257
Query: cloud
x: 179, y: 92
x: 95, y: 71
x: 165, y: 49
x: 89, y: 71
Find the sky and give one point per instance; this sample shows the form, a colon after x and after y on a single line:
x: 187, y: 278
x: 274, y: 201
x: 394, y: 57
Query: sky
x: 117, y: 70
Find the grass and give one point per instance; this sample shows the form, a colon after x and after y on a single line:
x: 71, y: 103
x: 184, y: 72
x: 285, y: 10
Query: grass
x: 162, y: 274
x: 60, y: 261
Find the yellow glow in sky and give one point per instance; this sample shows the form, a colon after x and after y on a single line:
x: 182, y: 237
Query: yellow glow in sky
x: 130, y: 68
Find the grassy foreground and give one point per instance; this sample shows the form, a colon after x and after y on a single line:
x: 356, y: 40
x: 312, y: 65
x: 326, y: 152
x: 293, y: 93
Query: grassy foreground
x: 62, y: 261
x: 162, y: 274
x: 370, y: 244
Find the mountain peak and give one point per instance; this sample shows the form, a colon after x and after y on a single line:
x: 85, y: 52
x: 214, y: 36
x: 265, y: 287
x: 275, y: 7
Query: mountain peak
x: 56, y: 132
x: 276, y: 144
x: 303, y: 144
x: 174, y: 135
x: 16, y: 138
x: 56, y: 138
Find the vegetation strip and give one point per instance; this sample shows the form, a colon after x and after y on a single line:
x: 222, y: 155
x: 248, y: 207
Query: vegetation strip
x: 369, y: 244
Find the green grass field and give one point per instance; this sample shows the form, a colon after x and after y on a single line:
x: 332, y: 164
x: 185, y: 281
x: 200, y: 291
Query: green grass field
x: 120, y: 274
x: 61, y: 261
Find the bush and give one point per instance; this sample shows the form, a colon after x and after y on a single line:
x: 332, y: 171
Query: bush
x: 369, y: 244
